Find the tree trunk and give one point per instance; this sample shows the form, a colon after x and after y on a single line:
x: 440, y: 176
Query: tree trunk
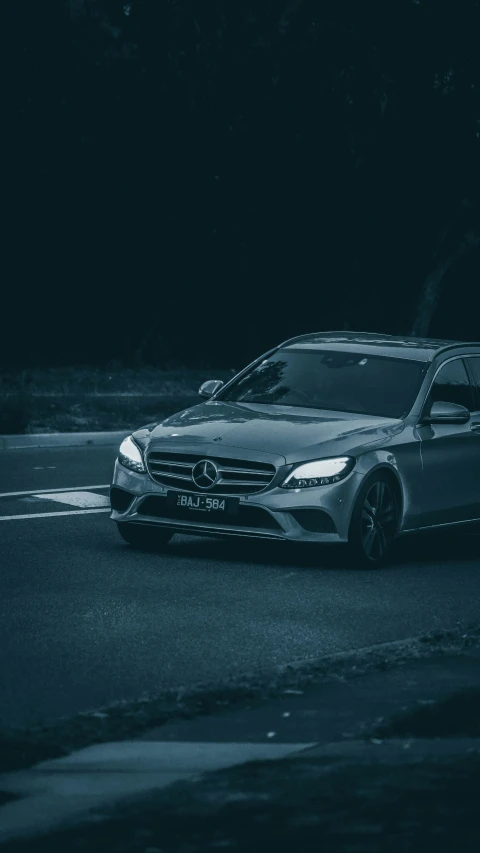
x: 432, y: 287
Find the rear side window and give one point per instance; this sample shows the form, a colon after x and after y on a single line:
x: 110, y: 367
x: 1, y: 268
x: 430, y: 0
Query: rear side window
x: 452, y: 385
x: 474, y: 364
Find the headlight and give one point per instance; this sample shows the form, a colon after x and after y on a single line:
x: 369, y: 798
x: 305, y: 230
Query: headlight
x: 130, y: 455
x: 322, y: 472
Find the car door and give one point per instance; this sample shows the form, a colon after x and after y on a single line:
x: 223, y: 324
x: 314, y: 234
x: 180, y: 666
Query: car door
x: 473, y: 366
x: 450, y: 453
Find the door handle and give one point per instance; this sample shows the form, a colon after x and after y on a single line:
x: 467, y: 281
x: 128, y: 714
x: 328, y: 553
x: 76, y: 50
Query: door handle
x: 475, y: 426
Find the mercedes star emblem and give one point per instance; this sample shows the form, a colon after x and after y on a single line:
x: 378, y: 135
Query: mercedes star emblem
x: 205, y: 474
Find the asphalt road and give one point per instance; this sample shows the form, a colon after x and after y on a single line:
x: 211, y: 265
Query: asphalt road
x: 86, y: 621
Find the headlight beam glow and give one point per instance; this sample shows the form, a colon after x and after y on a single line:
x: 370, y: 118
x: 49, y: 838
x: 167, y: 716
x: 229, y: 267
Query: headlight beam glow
x: 321, y: 472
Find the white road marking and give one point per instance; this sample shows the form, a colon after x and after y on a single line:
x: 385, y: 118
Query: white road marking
x: 52, y: 514
x: 80, y: 499
x: 51, y: 491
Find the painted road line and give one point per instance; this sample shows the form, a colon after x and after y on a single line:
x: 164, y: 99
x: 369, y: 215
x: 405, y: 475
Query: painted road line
x: 51, y: 491
x: 81, y: 499
x: 53, y: 514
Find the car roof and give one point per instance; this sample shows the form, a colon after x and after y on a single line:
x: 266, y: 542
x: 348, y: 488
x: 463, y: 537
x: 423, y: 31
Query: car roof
x: 373, y: 343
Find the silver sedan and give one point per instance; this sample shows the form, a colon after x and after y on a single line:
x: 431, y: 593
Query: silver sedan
x: 353, y: 438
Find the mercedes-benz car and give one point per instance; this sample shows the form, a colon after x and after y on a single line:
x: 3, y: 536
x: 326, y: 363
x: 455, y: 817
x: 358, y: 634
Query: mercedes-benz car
x: 333, y: 437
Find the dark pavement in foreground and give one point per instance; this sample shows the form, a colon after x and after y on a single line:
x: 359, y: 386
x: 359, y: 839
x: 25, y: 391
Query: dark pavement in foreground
x: 85, y: 621
x: 412, y: 788
x: 363, y: 802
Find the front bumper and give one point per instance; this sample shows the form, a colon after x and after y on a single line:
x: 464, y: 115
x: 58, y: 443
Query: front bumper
x: 279, y: 508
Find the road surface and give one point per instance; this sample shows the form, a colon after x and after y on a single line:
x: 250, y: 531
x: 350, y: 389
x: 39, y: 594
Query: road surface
x: 86, y: 621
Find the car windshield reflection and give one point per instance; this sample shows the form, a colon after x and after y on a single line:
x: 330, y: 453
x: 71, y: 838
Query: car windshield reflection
x: 332, y: 381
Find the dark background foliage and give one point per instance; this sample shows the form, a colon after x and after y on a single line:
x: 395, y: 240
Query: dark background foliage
x: 191, y: 182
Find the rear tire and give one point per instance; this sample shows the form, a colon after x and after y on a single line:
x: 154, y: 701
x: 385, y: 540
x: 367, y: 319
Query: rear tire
x: 143, y: 536
x: 374, y: 523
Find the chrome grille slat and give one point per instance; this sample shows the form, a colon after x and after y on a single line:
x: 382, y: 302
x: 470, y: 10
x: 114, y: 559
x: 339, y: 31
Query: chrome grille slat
x: 235, y: 477
x: 173, y: 476
x: 223, y: 482
x: 173, y: 464
x: 224, y: 470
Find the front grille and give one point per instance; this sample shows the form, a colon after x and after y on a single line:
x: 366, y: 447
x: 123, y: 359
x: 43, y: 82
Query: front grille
x: 236, y: 477
x: 247, y: 516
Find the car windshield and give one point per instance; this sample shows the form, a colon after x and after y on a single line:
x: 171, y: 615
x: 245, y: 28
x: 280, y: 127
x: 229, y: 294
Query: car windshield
x: 336, y: 381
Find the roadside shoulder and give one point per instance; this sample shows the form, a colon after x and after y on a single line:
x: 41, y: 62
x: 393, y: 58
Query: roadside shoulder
x: 61, y: 439
x: 333, y: 696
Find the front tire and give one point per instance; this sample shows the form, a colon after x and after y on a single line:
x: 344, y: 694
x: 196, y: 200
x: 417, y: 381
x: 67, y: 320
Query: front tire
x: 374, y: 523
x: 143, y: 536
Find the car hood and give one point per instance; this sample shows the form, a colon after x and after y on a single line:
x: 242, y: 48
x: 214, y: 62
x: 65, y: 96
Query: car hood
x: 288, y: 433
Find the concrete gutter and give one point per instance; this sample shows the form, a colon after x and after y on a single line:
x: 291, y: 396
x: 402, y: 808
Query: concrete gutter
x: 64, y: 790
x: 58, y: 793
x: 61, y: 439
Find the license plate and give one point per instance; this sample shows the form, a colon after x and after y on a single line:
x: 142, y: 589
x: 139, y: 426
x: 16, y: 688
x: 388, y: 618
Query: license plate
x: 202, y: 503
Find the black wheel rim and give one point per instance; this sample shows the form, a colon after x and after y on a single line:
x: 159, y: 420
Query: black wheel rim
x: 379, y: 521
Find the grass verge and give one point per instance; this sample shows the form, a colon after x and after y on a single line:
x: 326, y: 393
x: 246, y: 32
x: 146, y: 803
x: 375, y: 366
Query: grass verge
x: 87, y: 400
x: 457, y: 715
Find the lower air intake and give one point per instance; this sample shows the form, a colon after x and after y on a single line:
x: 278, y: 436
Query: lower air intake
x: 120, y: 499
x: 313, y: 520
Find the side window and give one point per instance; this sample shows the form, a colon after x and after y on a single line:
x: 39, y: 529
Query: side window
x: 474, y: 364
x: 452, y: 385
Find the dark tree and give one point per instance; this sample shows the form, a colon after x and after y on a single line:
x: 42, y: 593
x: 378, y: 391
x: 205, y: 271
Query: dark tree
x: 275, y: 167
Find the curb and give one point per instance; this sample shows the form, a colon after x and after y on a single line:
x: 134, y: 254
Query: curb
x: 61, y: 439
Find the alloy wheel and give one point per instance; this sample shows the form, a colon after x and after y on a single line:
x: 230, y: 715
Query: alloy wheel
x: 378, y: 521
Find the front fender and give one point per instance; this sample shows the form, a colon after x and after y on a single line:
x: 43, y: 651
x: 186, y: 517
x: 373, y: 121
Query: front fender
x: 404, y: 464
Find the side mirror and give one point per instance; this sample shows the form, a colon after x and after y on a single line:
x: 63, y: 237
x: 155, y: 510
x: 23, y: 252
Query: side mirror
x: 208, y: 389
x: 447, y: 413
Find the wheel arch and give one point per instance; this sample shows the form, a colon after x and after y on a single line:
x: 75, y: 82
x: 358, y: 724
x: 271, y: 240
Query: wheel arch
x: 394, y: 479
